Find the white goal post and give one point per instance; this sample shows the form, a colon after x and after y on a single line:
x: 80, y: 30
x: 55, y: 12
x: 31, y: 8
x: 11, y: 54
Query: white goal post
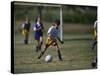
x: 61, y: 23
x: 47, y: 5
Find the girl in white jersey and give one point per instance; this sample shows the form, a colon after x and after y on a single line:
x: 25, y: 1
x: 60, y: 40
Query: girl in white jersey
x: 53, y: 33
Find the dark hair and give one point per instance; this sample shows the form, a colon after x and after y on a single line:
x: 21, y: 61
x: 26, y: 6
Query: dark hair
x: 36, y: 19
x: 57, y: 22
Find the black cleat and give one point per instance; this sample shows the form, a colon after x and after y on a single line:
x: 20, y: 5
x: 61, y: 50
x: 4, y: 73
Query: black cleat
x: 94, y: 63
x: 25, y: 42
x: 38, y: 57
x: 61, y: 59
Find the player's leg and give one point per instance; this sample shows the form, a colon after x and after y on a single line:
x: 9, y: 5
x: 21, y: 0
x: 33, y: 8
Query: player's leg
x: 26, y: 38
x: 94, y: 41
x: 25, y: 34
x: 37, y: 38
x: 37, y: 45
x: 59, y: 53
x: 42, y: 52
x: 94, y: 44
x: 49, y: 42
x: 40, y: 42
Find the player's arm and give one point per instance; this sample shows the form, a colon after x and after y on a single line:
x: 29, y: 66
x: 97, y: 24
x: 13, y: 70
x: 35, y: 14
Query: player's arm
x: 60, y: 40
x: 23, y: 25
x: 42, y: 26
x: 36, y: 29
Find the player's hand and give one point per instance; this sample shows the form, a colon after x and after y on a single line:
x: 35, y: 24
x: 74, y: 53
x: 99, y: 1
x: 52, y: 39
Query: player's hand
x: 62, y: 42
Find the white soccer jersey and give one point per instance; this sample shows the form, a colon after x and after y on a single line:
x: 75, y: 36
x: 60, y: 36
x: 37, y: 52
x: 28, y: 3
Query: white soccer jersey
x: 36, y: 26
x: 23, y: 24
x: 53, y: 31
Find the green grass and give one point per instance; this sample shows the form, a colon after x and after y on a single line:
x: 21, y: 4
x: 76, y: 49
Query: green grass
x: 76, y: 53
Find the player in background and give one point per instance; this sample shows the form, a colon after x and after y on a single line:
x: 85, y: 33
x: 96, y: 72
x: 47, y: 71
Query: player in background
x: 94, y: 61
x: 53, y: 35
x: 25, y: 30
x: 95, y: 35
x: 38, y: 28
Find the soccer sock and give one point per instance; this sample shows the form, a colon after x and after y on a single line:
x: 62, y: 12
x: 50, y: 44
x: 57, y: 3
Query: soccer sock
x: 26, y: 41
x: 59, y: 55
x: 41, y: 54
x: 94, y: 43
x: 36, y: 48
x: 40, y: 45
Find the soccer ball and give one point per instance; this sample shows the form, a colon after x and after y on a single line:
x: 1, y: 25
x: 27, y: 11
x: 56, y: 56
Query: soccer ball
x: 48, y: 58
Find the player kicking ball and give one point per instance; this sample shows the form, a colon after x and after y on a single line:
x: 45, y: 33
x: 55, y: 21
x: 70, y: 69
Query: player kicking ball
x: 53, y: 33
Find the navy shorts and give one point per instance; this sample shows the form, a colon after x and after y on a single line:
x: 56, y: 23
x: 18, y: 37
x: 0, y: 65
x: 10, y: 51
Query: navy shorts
x: 38, y: 35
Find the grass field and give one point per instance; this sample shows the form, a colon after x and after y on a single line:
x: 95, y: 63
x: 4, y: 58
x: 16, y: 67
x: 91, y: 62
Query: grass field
x: 76, y: 53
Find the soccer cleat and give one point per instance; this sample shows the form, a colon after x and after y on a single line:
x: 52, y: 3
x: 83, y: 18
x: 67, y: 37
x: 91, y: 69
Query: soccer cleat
x: 59, y: 55
x: 94, y: 44
x: 40, y: 55
x: 94, y: 63
x: 25, y: 41
x: 61, y: 42
x: 61, y: 59
x: 39, y: 47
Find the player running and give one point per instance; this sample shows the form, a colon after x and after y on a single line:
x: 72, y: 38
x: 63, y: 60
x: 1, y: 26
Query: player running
x: 25, y: 30
x: 53, y: 33
x: 95, y: 35
x: 38, y: 28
